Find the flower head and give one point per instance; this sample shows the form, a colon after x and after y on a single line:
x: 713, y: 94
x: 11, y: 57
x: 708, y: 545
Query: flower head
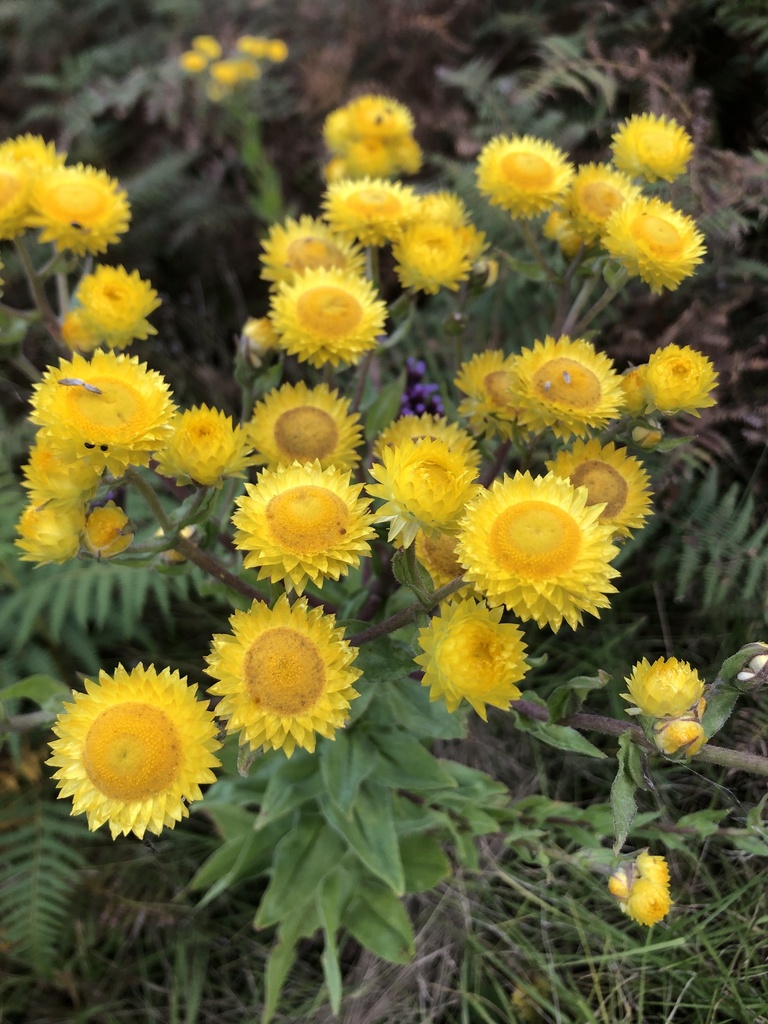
x: 561, y: 228
x: 51, y: 477
x: 257, y: 339
x: 437, y: 553
x: 679, y: 379
x: 635, y: 391
x: 428, y: 425
x: 523, y: 174
x: 134, y: 749
x: 683, y: 736
x: 114, y: 305
x: 107, y: 531
x: 301, y: 522
x: 205, y: 448
x: 285, y: 675
x: 665, y: 689
x: 535, y: 546
x: 642, y: 888
x: 486, y: 380
x: 50, y: 532
x: 307, y: 244
x: 14, y: 198
x: 76, y: 334
x: 33, y: 153
x: 432, y: 254
x: 654, y: 147
x: 366, y: 116
x: 469, y: 654
x: 565, y: 385
x: 372, y: 210
x: 79, y: 208
x: 597, y: 190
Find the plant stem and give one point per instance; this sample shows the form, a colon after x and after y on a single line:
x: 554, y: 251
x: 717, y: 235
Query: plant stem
x: 562, y: 301
x: 406, y: 615
x: 38, y: 291
x: 206, y: 561
x: 152, y: 500
x: 610, y: 293
x: 538, y: 255
x: 492, y: 471
x: 575, y: 309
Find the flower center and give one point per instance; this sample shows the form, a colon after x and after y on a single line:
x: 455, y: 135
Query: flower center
x: 374, y: 203
x: 312, y: 254
x: 307, y: 519
x: 535, y: 540
x: 656, y: 146
x: 473, y: 653
x: 77, y: 202
x: 283, y: 672
x: 568, y: 383
x: 117, y: 413
x: 496, y: 386
x: 433, y: 477
x: 673, y: 372
x: 527, y: 171
x: 604, y: 484
x: 658, y: 234
x: 600, y: 199
x: 328, y: 311
x: 132, y: 752
x: 10, y: 187
x: 305, y: 434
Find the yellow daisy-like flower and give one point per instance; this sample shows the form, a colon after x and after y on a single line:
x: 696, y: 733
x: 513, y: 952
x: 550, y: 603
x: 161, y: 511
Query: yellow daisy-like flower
x: 286, y: 675
x: 566, y: 386
x: 370, y: 115
x: 112, y: 410
x: 205, y: 447
x: 559, y: 226
x: 372, y: 210
x: 522, y: 174
x: 277, y: 50
x: 301, y: 522
x: 535, y: 546
x: 14, y: 197
x: 134, y: 749
x: 193, y: 62
x: 32, y: 152
x: 307, y: 244
x: 654, y: 147
x: 612, y: 478
x: 51, y: 532
x: 596, y: 192
x: 430, y: 255
x: 328, y: 316
x: 107, y: 531
x: 207, y: 45
x: 654, y: 242
x: 114, y: 305
x: 642, y: 888
x: 486, y: 380
x: 635, y: 391
x: 437, y: 553
x: 371, y: 158
x: 295, y: 423
x: 49, y: 476
x: 254, y: 46
x: 469, y: 654
x: 679, y: 379
x: 76, y: 334
x: 79, y: 208
x: 413, y: 428
x: 425, y: 484
x: 665, y: 689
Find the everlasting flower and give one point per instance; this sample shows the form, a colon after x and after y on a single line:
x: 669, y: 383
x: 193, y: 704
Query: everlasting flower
x: 560, y: 227
x: 366, y: 116
x: 432, y: 253
x: 432, y: 426
x: 51, y: 532
x: 302, y: 523
x: 535, y: 546
x: 437, y: 553
x: 654, y: 147
x: 76, y: 334
x: 207, y: 45
x: 205, y: 447
x: 114, y: 305
x: 372, y: 210
x: 635, y: 391
x: 257, y: 339
x: 307, y: 244
x: 33, y: 153
x: 51, y: 477
x: 522, y: 174
x: 134, y: 749
x: 79, y: 208
x: 679, y: 379
x: 14, y: 198
x: 486, y: 380
x: 642, y: 888
x: 665, y: 689
x: 469, y: 654
x: 285, y: 674
x: 597, y: 190
x: 682, y: 736
x: 107, y: 531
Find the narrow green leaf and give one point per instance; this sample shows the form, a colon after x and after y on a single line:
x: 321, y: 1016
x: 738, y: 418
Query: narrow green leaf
x: 384, y: 407
x: 370, y: 833
x: 344, y: 764
x: 41, y: 689
x: 567, y: 700
x: 231, y: 820
x: 623, y: 803
x: 562, y: 737
x: 424, y: 862
x: 377, y: 919
x: 329, y: 906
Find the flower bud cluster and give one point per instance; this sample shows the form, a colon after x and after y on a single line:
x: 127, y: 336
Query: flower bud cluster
x: 671, y: 693
x: 641, y: 888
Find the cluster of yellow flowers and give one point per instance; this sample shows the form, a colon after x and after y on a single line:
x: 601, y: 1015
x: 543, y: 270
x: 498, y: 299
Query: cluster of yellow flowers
x: 243, y: 64
x: 641, y: 887
x: 372, y: 136
x: 671, y: 695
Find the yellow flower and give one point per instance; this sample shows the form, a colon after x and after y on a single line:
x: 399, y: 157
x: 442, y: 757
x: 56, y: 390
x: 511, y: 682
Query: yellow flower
x: 437, y: 553
x: 328, y: 316
x: 285, y: 675
x: 257, y: 339
x: 565, y: 385
x: 229, y: 73
x: 424, y: 484
x: 134, y: 749
x: 560, y: 228
x: 489, y: 406
x: 32, y: 152
x: 295, y: 423
x: 430, y: 255
x: 679, y: 379
x: 205, y: 447
x: 635, y: 391
x: 277, y: 50
x: 76, y: 334
x: 597, y: 190
x: 207, y: 45
x: 523, y: 174
x: 50, y: 532
x: 79, y: 208
x: 367, y: 116
x: 654, y: 242
x: 535, y: 546
x: 14, y: 197
x: 683, y: 736
x: 372, y: 210
x: 612, y: 478
x: 470, y: 654
x: 254, y: 46
x: 114, y: 305
x: 437, y: 428
x: 665, y: 689
x: 51, y: 477
x: 307, y: 244
x: 655, y: 147
x: 302, y: 523
x: 107, y: 531
x: 111, y: 411
x: 371, y: 158
x: 193, y: 62
x: 642, y: 888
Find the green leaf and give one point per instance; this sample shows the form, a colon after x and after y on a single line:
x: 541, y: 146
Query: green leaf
x: 41, y: 689
x: 329, y: 906
x: 344, y: 764
x: 720, y: 705
x: 377, y: 919
x: 424, y: 862
x: 562, y: 737
x: 243, y: 857
x: 231, y: 820
x: 292, y: 784
x: 703, y: 823
x: 370, y: 832
x: 623, y: 803
x: 567, y: 700
x: 410, y: 705
x: 279, y: 962
x: 404, y: 763
x: 528, y: 269
x: 384, y: 407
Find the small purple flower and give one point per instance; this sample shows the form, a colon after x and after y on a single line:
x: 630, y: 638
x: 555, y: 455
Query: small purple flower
x: 418, y: 397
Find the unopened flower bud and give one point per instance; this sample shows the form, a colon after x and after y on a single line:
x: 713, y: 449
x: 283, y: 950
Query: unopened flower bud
x: 107, y: 531
x: 681, y: 737
x: 257, y: 339
x: 647, y: 437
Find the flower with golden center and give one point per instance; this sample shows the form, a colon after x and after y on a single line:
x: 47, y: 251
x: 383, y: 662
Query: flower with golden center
x: 76, y: 334
x: 425, y: 484
x: 438, y: 428
x: 559, y: 226
x: 654, y: 147
x: 134, y: 749
x: 371, y: 158
x: 205, y: 448
x: 328, y: 316
x: 666, y: 689
x: 50, y: 532
x: 307, y: 244
x: 371, y: 115
x: 302, y: 522
x: 654, y: 242
x: 642, y: 888
x: 679, y: 379
x: 372, y: 210
x: 112, y: 411
x: 469, y: 654
x: 523, y: 174
x: 79, y: 208
x: 613, y: 479
x: 535, y: 546
x: 15, y: 185
x: 107, y: 531
x: 114, y: 305
x: 565, y: 385
x: 430, y: 255
x: 286, y: 675
x: 51, y: 477
x: 596, y: 191
x: 295, y: 423
x: 489, y: 406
